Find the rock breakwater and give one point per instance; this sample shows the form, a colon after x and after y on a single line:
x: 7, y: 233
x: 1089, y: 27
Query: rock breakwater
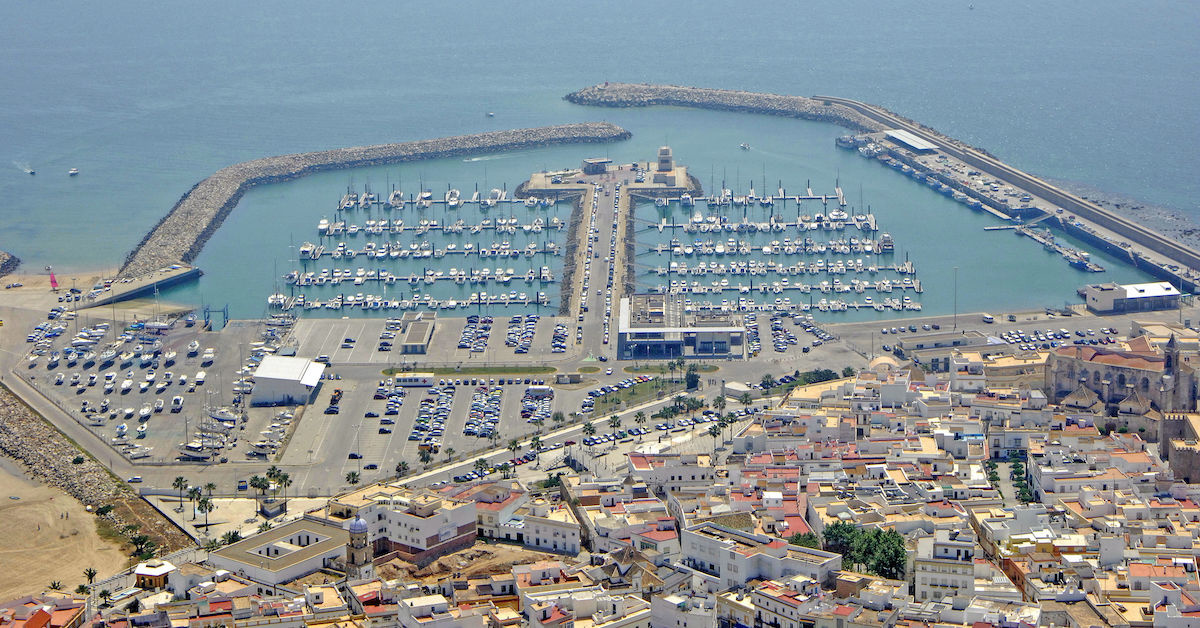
x: 8, y: 263
x: 182, y: 233
x: 634, y: 95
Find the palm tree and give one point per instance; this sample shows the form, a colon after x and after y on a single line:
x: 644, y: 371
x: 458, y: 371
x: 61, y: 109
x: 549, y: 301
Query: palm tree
x: 82, y: 589
x: 105, y: 593
x: 55, y: 585
x: 264, y: 526
x: 535, y: 444
x: 401, y: 468
x: 90, y: 574
x: 481, y: 466
x: 558, y: 417
x: 424, y: 456
x: 209, y: 488
x: 212, y: 545
x: 718, y: 403
x: 768, y: 381
x: 180, y: 484
x: 206, y: 506
x: 714, y: 431
x: 352, y: 478
x: 194, y: 495
x: 506, y: 469
x: 258, y: 483
x: 745, y: 399
x: 538, y: 422
x: 284, y: 481
x: 449, y: 454
x: 231, y: 537
x: 589, y: 429
x: 614, y: 422
x: 514, y: 445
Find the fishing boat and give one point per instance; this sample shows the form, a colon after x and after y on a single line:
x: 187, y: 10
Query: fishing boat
x: 744, y: 146
x: 169, y: 358
x: 660, y: 202
x: 141, y: 430
x: 121, y: 429
x: 193, y: 348
x: 72, y: 172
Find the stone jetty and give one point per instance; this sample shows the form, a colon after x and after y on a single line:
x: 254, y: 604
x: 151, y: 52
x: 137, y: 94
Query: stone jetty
x: 8, y: 263
x: 180, y: 235
x: 645, y: 95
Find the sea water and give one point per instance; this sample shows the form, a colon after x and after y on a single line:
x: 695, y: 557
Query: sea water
x: 148, y: 100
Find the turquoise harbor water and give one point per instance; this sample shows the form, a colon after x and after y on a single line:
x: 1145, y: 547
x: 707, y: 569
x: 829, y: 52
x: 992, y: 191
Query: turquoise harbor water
x: 147, y: 100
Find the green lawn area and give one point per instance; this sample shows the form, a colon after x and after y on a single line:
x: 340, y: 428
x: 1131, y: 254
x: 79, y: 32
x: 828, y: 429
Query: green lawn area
x: 659, y: 369
x: 636, y: 395
x: 479, y: 370
x: 589, y: 369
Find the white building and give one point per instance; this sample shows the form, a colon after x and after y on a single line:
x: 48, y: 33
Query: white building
x: 1136, y: 297
x: 944, y: 566
x: 285, y: 381
x: 284, y: 553
x: 435, y: 611
x: 720, y: 558
x: 672, y: 472
x: 676, y: 610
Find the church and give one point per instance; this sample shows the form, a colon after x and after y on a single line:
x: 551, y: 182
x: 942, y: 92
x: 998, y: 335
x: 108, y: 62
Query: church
x: 1132, y: 373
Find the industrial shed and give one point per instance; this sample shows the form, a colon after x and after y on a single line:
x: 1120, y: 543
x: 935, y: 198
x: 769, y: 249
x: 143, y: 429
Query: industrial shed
x: 285, y: 381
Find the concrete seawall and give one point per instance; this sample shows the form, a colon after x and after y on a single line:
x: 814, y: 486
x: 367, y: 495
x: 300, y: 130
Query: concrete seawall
x: 860, y: 116
x: 633, y: 95
x: 182, y: 233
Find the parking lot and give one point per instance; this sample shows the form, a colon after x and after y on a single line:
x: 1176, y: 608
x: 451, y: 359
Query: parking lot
x: 456, y: 341
x: 384, y: 423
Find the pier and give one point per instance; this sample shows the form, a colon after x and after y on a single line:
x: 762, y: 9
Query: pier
x: 1171, y: 259
x: 181, y: 234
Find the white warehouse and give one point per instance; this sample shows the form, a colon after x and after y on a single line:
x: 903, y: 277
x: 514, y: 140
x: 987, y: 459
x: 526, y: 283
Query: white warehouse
x: 285, y: 381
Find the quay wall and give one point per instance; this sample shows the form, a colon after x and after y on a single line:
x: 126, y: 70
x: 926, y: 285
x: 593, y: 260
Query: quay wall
x: 8, y: 263
x: 638, y: 95
x: 860, y: 116
x: 181, y: 234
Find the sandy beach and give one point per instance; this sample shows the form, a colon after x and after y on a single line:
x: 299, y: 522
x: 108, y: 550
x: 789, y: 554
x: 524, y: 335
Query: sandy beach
x: 46, y: 535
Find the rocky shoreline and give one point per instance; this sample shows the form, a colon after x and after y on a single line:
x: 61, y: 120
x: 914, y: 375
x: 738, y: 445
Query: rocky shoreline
x: 48, y: 458
x: 633, y: 95
x: 8, y: 263
x: 181, y: 234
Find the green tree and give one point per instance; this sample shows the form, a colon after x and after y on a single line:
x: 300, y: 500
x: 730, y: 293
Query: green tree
x: 768, y: 381
x: 745, y: 399
x: 180, y: 484
x: 514, y: 445
x: 209, y: 488
x: 614, y: 422
x: 538, y: 422
x: 839, y: 536
x: 206, y: 505
x: 691, y: 380
x: 424, y: 456
x: 56, y: 585
x: 401, y: 469
x: 714, y: 431
x: 535, y: 444
x: 264, y: 526
x: 284, y: 481
x: 718, y: 403
x: 848, y: 371
x: 82, y: 589
x: 589, y: 429
x: 260, y: 484
x: 449, y: 454
x: 104, y: 595
x: 140, y: 542
x: 558, y: 417
x: 90, y: 574
x: 481, y: 466
x: 352, y: 478
x: 505, y: 469
x: 194, y: 496
x: 808, y: 539
x: 212, y: 545
x: 231, y: 537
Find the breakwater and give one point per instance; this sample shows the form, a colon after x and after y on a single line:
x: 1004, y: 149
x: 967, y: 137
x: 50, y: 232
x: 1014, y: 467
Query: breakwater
x: 8, y: 263
x: 634, y: 95
x: 860, y: 116
x: 181, y: 234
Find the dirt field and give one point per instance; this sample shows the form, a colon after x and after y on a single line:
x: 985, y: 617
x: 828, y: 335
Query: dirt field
x: 478, y: 560
x: 38, y: 545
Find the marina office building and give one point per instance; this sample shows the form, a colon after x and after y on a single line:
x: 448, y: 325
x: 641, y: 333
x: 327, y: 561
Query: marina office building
x: 658, y: 326
x: 1113, y: 298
